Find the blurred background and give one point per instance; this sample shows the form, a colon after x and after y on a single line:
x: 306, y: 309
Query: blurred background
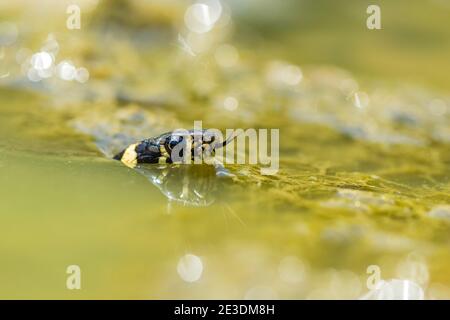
x: 364, y: 120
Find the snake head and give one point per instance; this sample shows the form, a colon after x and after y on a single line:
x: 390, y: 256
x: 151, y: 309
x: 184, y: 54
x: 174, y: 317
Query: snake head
x: 171, y: 147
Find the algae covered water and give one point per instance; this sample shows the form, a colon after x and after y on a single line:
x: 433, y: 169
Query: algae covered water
x: 362, y: 192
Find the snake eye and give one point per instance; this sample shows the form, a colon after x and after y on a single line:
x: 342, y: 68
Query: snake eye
x: 172, y: 144
x: 174, y: 140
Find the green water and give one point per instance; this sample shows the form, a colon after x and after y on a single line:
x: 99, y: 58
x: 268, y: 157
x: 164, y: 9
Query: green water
x: 356, y: 186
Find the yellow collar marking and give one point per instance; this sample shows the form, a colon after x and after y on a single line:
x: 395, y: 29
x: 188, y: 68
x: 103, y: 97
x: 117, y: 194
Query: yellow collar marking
x: 130, y: 156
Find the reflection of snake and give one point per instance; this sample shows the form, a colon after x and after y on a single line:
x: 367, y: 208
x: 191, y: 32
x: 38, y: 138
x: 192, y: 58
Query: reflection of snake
x: 190, y: 185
